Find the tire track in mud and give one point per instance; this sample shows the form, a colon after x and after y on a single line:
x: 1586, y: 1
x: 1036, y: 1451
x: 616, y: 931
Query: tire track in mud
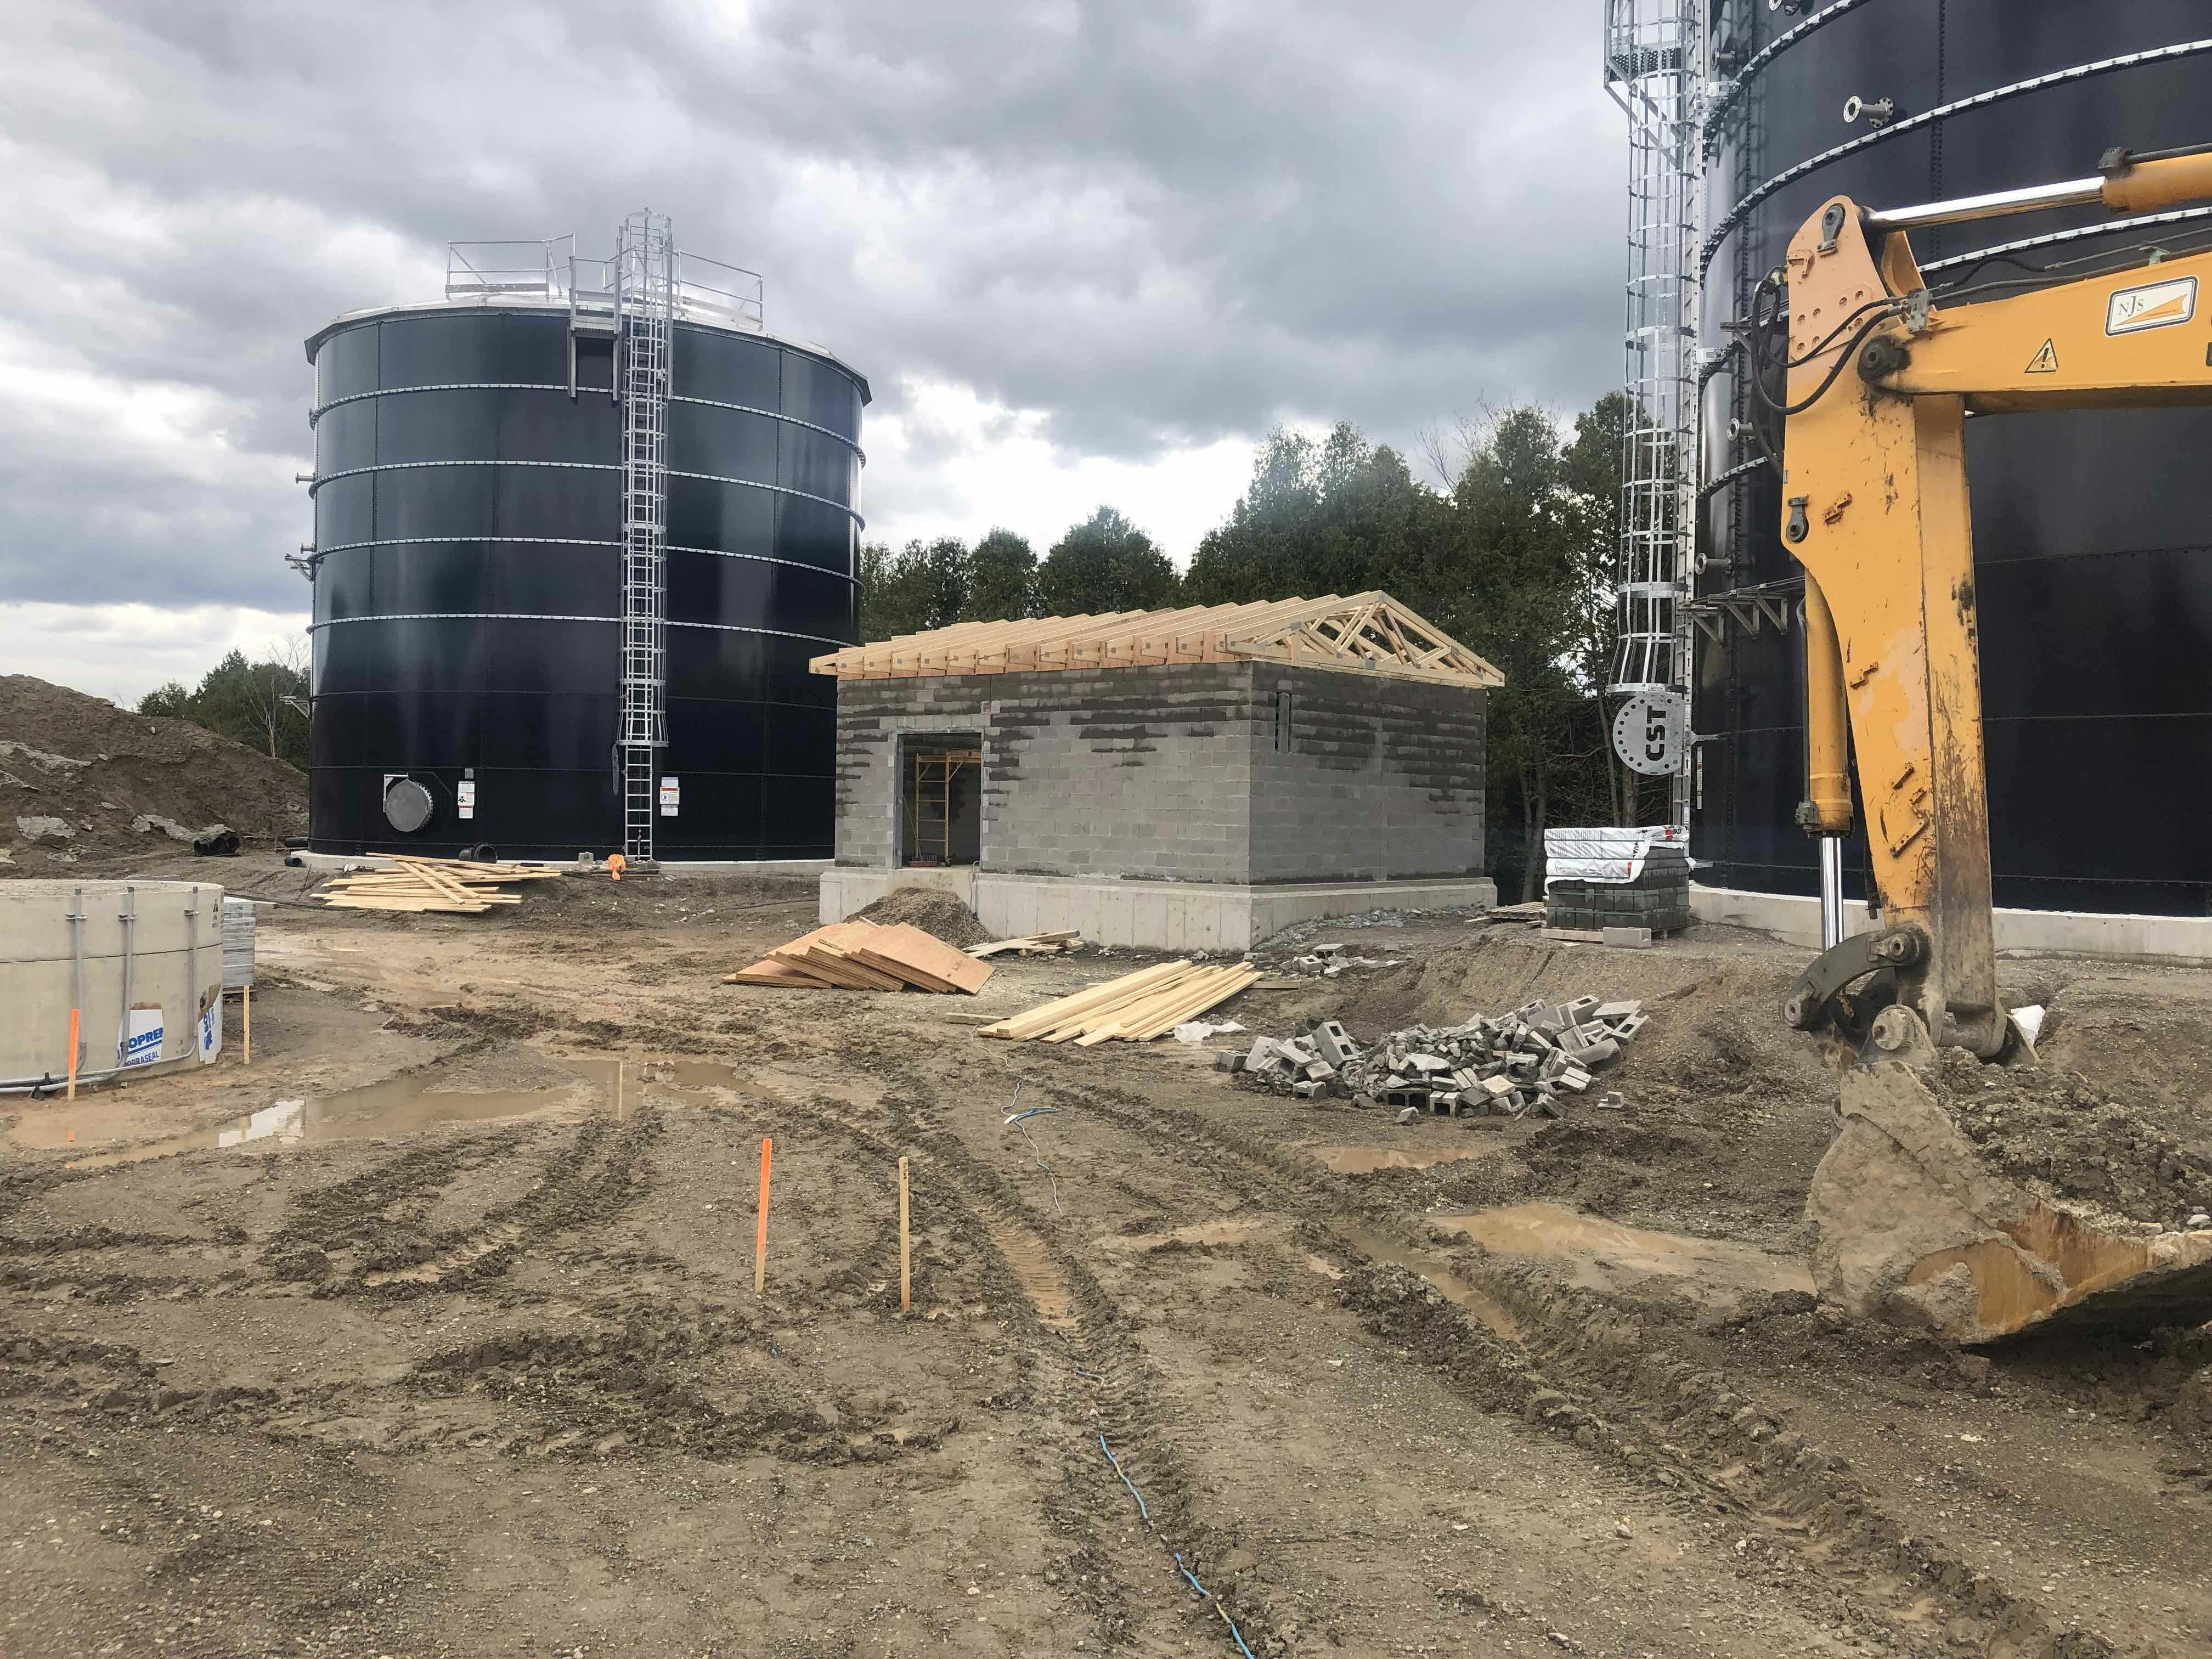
x: 599, y: 1173
x: 217, y: 1581
x: 1580, y: 1368
x: 350, y: 1215
x: 1072, y: 1322
x: 1126, y: 1406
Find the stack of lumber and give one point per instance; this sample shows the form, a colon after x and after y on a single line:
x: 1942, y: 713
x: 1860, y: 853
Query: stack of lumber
x: 858, y: 956
x: 1135, y: 1008
x: 1033, y: 944
x: 452, y: 886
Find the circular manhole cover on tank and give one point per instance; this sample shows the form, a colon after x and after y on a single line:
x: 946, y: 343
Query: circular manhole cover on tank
x: 407, y: 806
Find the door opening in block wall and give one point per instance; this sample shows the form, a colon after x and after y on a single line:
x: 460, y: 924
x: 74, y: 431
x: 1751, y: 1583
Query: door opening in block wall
x: 941, y: 799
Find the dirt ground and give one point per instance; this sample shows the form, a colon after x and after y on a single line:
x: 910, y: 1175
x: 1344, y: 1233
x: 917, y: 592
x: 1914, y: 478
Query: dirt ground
x: 83, y: 783
x: 464, y: 1356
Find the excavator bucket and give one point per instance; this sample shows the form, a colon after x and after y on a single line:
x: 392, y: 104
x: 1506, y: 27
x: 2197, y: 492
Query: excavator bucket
x: 1914, y: 1228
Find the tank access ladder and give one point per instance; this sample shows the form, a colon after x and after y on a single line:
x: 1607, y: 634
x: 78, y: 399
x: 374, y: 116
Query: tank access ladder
x: 645, y: 301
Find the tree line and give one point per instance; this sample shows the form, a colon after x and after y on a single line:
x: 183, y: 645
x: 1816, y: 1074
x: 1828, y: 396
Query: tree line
x: 263, y: 705
x: 1511, y: 551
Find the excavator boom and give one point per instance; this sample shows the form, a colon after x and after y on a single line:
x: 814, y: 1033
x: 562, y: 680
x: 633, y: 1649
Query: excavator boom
x: 1880, y: 381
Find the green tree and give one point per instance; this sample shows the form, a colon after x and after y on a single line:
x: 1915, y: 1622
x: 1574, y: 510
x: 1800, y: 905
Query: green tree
x: 262, y: 704
x: 1002, y: 579
x: 1104, y: 564
x: 1336, y: 516
x: 172, y: 700
x: 923, y: 585
x: 1518, y: 595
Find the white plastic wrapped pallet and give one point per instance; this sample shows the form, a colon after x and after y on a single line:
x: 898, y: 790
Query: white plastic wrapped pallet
x: 1606, y: 853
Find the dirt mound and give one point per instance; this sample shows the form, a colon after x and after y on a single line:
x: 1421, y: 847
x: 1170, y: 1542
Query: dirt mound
x: 937, y: 914
x: 2054, y: 1133
x: 81, y: 780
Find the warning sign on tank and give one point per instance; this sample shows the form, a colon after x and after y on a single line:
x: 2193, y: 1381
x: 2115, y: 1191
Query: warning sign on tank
x: 2154, y: 304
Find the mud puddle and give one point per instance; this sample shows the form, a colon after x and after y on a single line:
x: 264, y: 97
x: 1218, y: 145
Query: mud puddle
x: 1445, y: 1283
x: 1605, y: 1255
x: 1366, y: 1160
x: 397, y: 1106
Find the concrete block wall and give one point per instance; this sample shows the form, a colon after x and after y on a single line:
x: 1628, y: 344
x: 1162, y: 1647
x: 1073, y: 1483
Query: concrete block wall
x: 1143, y: 772
x: 872, y: 716
x: 1170, y: 772
x: 1384, y: 779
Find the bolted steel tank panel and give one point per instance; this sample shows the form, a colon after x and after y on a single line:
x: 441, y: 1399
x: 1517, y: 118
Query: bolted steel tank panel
x: 2092, y: 575
x: 468, y: 584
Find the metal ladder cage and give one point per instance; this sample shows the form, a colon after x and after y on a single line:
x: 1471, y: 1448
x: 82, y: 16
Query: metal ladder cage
x: 645, y: 303
x: 1654, y: 69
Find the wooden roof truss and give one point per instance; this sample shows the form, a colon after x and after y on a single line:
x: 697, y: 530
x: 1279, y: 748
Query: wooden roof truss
x: 1364, y: 634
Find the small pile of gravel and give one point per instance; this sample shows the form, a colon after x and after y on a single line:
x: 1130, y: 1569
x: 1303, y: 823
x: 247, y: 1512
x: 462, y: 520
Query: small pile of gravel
x: 939, y: 914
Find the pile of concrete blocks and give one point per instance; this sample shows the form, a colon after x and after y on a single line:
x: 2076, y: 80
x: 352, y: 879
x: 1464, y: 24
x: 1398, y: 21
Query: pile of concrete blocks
x: 1330, y: 960
x: 1529, y: 1060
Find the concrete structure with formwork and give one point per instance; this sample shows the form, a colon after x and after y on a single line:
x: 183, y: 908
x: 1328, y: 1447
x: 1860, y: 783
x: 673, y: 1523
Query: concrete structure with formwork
x: 1180, y: 780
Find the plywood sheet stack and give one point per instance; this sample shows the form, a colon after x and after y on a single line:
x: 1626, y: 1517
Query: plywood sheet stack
x: 1135, y: 1008
x: 858, y: 956
x: 450, y: 886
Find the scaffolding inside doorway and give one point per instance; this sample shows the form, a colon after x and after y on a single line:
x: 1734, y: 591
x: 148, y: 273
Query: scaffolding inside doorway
x: 932, y: 777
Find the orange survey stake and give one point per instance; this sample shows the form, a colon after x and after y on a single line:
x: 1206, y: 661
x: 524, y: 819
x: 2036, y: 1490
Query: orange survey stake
x: 760, y: 1226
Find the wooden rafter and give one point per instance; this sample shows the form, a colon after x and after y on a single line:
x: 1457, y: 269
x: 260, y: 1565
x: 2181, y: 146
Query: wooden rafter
x: 1366, y: 632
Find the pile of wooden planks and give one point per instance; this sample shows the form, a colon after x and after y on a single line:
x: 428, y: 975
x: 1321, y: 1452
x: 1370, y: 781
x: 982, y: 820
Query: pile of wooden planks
x: 1135, y: 1008
x: 1033, y: 944
x: 858, y: 956
x: 449, y: 886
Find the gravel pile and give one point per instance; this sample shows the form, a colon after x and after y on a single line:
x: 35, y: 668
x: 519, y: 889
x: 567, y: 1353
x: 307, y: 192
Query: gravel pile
x: 939, y: 915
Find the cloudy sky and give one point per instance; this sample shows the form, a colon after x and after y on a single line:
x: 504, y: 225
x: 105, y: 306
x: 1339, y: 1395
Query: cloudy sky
x: 1083, y: 251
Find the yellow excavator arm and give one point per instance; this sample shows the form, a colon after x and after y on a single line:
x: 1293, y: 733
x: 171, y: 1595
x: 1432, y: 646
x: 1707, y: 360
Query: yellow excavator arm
x: 1880, y: 381
x: 1910, y: 1225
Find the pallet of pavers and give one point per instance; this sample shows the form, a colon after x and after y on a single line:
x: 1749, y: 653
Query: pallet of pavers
x: 858, y: 956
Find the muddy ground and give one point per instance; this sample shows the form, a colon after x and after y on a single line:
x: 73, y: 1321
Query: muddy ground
x: 464, y: 1356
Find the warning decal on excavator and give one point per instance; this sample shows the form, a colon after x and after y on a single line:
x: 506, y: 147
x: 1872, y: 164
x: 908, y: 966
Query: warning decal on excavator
x: 2154, y: 304
x: 2045, y: 361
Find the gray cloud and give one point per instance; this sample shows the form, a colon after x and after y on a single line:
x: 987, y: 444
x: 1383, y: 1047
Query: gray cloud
x: 1160, y: 224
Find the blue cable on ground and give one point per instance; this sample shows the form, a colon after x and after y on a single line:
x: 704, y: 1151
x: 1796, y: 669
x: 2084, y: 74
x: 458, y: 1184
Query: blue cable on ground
x: 1015, y: 1120
x: 1236, y: 1635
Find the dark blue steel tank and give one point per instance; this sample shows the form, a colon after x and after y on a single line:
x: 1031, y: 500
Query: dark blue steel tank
x: 2091, y: 564
x: 467, y: 569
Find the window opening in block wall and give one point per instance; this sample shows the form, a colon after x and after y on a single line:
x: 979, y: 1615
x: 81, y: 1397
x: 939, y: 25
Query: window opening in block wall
x: 1282, y: 722
x: 941, y: 800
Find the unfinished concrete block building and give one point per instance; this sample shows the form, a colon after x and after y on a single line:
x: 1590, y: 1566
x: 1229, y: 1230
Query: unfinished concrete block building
x: 1182, y: 780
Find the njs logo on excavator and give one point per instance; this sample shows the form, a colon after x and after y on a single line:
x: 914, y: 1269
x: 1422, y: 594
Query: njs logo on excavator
x: 2154, y: 304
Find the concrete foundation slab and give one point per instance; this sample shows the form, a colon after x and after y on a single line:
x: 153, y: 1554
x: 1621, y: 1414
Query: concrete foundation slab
x: 1162, y: 916
x: 1797, y: 920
